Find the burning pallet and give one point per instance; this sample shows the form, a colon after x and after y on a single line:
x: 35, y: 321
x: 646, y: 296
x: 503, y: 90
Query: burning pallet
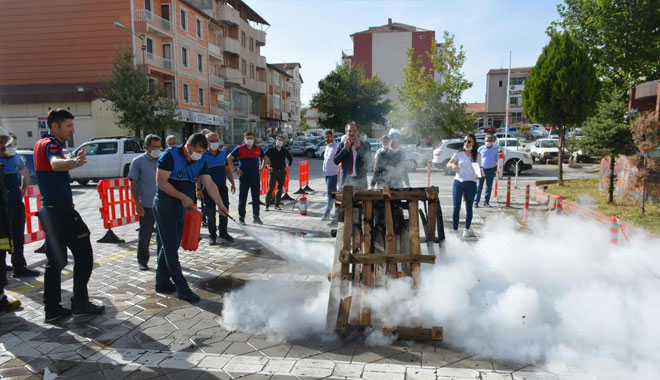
x: 382, y: 245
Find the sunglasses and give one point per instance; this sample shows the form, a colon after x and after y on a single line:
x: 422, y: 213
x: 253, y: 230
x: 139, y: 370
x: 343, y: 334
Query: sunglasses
x: 468, y: 141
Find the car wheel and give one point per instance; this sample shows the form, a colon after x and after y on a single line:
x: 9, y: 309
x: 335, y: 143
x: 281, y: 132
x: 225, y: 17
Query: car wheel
x: 412, y: 165
x: 510, y: 166
x: 83, y: 182
x: 533, y: 159
x: 310, y: 154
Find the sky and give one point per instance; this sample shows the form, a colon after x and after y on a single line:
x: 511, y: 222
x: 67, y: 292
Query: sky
x: 314, y: 32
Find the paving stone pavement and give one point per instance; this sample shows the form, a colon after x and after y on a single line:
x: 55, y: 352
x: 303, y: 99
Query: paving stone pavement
x: 148, y: 335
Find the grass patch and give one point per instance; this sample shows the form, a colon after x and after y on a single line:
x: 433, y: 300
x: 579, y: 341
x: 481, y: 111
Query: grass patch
x: 587, y: 193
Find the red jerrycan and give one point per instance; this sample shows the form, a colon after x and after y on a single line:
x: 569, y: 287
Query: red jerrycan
x: 192, y: 225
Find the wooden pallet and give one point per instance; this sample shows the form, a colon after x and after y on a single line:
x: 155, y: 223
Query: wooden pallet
x: 369, y: 253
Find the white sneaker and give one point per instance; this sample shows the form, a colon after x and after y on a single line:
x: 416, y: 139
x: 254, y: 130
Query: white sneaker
x: 467, y: 233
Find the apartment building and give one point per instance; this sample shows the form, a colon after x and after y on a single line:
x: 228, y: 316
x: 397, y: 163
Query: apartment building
x: 496, y: 95
x: 293, y: 85
x: 243, y: 67
x: 273, y: 106
x: 209, y: 64
x: 383, y: 51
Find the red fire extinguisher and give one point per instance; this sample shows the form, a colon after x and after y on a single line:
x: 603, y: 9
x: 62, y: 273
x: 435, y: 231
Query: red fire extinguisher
x: 303, y: 204
x: 192, y: 224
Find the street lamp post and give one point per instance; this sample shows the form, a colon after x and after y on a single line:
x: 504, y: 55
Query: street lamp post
x: 141, y: 37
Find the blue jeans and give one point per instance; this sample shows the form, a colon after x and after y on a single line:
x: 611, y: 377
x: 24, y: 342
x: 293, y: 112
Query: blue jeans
x: 463, y: 190
x: 169, y: 215
x: 244, y: 185
x: 330, y: 187
x: 490, y: 175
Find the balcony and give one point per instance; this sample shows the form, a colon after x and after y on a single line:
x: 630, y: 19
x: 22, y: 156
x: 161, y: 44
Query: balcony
x: 260, y: 37
x: 261, y: 61
x: 154, y: 23
x: 232, y: 75
x: 230, y: 45
x: 158, y: 61
x: 217, y: 81
x: 227, y: 14
x: 215, y: 52
x: 255, y: 85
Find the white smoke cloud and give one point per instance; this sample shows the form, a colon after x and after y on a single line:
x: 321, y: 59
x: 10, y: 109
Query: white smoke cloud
x: 561, y: 296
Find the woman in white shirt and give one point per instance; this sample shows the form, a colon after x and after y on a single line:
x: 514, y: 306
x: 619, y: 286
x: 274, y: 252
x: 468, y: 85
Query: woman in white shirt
x: 466, y: 164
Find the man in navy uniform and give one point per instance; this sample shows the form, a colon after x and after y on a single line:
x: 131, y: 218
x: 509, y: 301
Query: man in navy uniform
x: 216, y: 160
x: 249, y: 173
x: 62, y: 224
x: 178, y: 169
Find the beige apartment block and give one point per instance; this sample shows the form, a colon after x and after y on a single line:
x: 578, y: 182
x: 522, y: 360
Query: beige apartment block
x: 293, y: 85
x: 496, y: 95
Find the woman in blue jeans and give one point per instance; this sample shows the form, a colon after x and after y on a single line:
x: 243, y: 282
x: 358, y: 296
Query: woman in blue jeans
x: 465, y: 181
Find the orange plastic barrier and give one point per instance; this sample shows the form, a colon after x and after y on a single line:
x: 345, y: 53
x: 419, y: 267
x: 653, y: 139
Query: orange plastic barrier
x: 303, y: 177
x: 264, y: 182
x: 32, y: 197
x: 115, y: 212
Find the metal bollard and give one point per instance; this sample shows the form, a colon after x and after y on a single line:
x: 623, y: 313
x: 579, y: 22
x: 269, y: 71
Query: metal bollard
x: 558, y: 206
x: 508, y: 191
x: 526, y: 211
x: 515, y: 185
x: 428, y: 173
x: 614, y: 229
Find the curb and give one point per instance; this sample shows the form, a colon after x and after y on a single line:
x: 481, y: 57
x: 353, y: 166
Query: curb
x: 539, y: 193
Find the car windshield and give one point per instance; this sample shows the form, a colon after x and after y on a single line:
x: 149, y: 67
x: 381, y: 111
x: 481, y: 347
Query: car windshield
x: 550, y: 144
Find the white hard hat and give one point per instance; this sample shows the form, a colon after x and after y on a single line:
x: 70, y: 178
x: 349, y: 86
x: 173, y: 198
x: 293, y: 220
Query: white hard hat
x: 3, y: 132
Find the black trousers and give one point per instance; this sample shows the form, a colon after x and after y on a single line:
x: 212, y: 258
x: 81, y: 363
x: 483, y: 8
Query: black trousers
x: 147, y: 227
x: 64, y: 229
x: 17, y: 225
x: 277, y: 176
x: 252, y: 185
x: 209, y: 210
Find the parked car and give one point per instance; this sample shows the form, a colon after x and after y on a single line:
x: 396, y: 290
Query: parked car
x: 545, y: 150
x: 443, y: 154
x: 312, y: 149
x: 511, y: 143
x: 513, y: 157
x: 298, y: 148
x: 106, y: 158
x: 27, y: 156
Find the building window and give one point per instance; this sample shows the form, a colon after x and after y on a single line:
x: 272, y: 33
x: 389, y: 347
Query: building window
x: 200, y: 33
x: 516, y: 117
x: 276, y: 79
x: 186, y: 94
x: 184, y: 19
x: 184, y: 56
x: 517, y: 81
x: 150, y: 46
x: 147, y: 5
x: 276, y: 102
x: 252, y: 70
x: 243, y: 39
x: 243, y: 67
x: 500, y: 84
x: 513, y: 100
x: 152, y: 83
x: 251, y: 44
x: 200, y: 63
x: 201, y: 96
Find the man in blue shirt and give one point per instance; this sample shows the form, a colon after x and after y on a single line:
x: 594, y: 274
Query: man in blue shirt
x: 62, y: 224
x: 249, y: 173
x: 216, y: 161
x: 17, y: 179
x: 488, y: 154
x: 178, y: 169
x: 143, y: 188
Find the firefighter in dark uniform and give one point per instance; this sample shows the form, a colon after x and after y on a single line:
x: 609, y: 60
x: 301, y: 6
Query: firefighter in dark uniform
x: 6, y: 245
x: 178, y: 169
x: 62, y: 224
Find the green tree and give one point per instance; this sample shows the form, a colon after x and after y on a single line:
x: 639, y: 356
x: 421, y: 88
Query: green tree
x: 428, y: 107
x: 346, y: 95
x: 608, y: 134
x: 138, y: 106
x: 621, y: 37
x: 303, y: 119
x: 562, y: 88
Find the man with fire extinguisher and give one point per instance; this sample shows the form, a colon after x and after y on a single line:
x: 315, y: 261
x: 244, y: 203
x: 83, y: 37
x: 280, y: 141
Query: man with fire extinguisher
x: 178, y: 169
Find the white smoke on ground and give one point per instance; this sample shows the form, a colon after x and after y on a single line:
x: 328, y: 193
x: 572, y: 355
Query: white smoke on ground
x: 562, y: 296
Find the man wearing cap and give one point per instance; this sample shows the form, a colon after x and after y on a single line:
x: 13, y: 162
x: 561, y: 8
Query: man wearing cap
x: 355, y: 156
x: 62, y: 224
x: 6, y: 245
x: 17, y: 179
x: 390, y: 169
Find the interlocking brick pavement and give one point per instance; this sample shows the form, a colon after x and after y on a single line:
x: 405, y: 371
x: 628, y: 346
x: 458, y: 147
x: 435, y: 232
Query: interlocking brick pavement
x: 147, y: 335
